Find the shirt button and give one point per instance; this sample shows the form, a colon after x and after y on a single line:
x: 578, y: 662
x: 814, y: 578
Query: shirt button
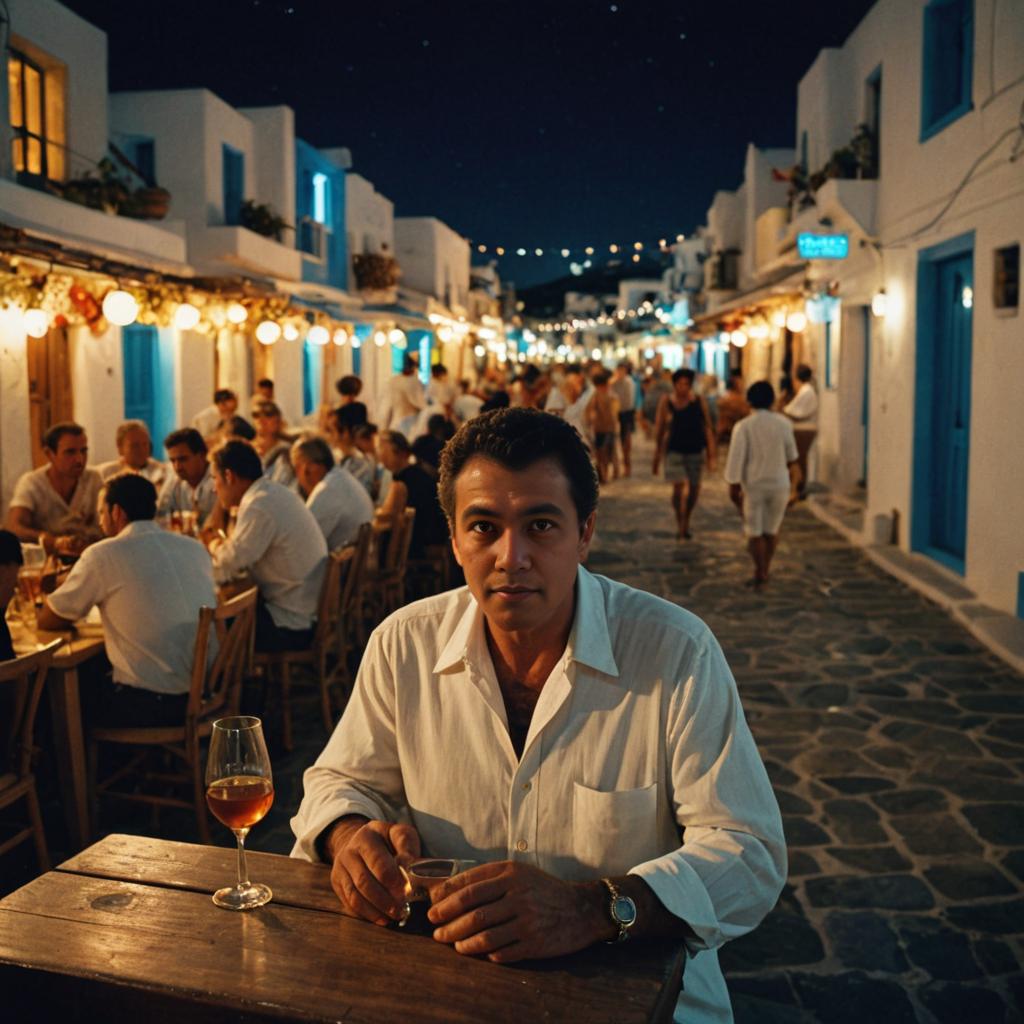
x: 527, y: 786
x: 522, y: 845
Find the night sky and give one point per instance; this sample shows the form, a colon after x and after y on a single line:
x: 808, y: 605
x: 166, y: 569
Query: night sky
x: 561, y: 123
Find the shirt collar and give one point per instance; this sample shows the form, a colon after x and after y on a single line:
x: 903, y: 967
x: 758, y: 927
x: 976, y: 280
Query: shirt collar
x: 140, y: 527
x: 589, y: 640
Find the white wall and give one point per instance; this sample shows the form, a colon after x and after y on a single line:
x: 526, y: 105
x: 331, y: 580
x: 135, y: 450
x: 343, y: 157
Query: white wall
x: 15, y: 442
x: 193, y: 374
x: 97, y: 375
x: 287, y: 377
x: 434, y: 259
x: 274, y: 157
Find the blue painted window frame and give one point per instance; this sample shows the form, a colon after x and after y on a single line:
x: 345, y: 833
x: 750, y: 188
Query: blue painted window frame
x: 933, y: 51
x: 920, y: 523
x: 233, y: 174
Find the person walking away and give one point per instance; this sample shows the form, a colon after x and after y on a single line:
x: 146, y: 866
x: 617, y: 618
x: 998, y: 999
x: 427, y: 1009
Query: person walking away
x: 602, y: 417
x: 762, y: 462
x: 684, y: 438
x: 405, y: 397
x: 624, y: 389
x: 803, y: 411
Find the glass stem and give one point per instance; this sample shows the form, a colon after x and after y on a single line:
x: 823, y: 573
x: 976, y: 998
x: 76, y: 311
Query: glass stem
x: 243, y: 871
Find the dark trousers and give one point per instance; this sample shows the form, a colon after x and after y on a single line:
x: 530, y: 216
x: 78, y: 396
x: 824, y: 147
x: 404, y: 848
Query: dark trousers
x: 111, y: 705
x: 274, y: 639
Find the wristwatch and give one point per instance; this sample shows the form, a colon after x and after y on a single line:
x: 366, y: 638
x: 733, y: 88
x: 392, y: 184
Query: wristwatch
x: 621, y: 908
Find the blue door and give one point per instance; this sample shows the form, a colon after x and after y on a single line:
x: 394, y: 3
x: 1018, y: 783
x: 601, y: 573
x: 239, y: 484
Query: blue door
x: 312, y: 376
x: 149, y: 380
x: 951, y: 406
x: 942, y: 408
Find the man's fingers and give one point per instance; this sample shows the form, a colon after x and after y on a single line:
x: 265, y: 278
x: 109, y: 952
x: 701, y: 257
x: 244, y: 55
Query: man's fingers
x: 352, y: 901
x: 491, y: 940
x: 366, y: 885
x: 405, y: 841
x: 449, y: 906
x: 480, y: 920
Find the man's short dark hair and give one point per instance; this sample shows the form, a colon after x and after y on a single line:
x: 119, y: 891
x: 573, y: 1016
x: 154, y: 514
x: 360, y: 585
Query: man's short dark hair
x: 684, y: 372
x: 601, y: 378
x: 409, y: 364
x: 571, y: 368
x: 349, y: 385
x: 223, y: 395
x: 313, y: 449
x: 517, y: 438
x: 239, y: 426
x: 348, y: 417
x: 51, y: 439
x: 364, y: 430
x: 803, y: 373
x: 397, y: 440
x: 240, y: 457
x: 761, y: 395
x: 439, y: 370
x: 133, y: 493
x: 265, y: 382
x: 10, y: 549
x: 735, y: 379
x: 188, y: 436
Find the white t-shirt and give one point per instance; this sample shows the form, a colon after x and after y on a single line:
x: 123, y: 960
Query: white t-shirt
x: 466, y: 407
x: 149, y: 585
x: 207, y: 420
x: 440, y: 392
x: 340, y: 504
x: 406, y: 396
x: 804, y: 408
x: 277, y: 540
x: 638, y: 738
x: 50, y: 512
x: 761, y: 449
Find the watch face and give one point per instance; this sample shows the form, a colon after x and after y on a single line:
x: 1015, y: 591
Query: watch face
x: 624, y: 910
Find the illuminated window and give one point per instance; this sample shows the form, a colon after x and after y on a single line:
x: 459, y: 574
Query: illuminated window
x: 320, y: 198
x: 36, y: 109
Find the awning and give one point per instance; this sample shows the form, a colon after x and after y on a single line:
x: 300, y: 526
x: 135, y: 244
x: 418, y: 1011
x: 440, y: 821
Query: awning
x: 398, y: 313
x: 784, y: 283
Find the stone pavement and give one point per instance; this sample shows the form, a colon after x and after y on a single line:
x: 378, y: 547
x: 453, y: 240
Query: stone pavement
x: 896, y: 746
x: 895, y: 743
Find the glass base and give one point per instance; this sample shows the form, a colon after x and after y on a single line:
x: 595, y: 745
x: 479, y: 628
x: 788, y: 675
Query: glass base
x: 248, y: 898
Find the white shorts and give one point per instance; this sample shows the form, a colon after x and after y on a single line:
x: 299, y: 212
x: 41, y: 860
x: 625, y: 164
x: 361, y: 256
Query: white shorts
x: 763, y: 509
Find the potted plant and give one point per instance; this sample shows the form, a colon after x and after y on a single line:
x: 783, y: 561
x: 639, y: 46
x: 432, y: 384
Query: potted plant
x: 103, y: 190
x: 375, y: 271
x: 263, y: 219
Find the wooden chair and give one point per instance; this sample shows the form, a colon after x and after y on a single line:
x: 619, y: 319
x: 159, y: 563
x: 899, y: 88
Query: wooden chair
x: 279, y: 664
x: 385, y: 582
x: 24, y: 678
x: 215, y: 692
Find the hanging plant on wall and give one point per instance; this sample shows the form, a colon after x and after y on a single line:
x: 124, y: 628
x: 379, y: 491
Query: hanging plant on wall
x: 374, y: 271
x: 263, y: 219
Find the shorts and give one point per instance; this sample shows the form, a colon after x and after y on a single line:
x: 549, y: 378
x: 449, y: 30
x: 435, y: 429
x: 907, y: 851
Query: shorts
x: 680, y: 467
x: 604, y: 442
x: 627, y: 422
x: 763, y: 510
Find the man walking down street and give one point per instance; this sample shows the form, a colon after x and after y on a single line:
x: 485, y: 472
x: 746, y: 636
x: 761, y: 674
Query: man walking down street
x: 624, y: 388
x: 803, y: 411
x: 583, y: 740
x: 762, y: 459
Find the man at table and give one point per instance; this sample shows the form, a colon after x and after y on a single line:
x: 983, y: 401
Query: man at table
x: 277, y: 541
x: 191, y: 488
x: 134, y: 455
x: 56, y: 504
x: 10, y: 562
x: 583, y: 739
x: 338, y: 501
x: 149, y: 585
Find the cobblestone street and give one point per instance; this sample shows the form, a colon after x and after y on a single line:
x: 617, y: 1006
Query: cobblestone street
x: 896, y: 745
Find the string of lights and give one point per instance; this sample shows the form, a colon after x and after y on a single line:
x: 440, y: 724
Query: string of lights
x: 660, y: 245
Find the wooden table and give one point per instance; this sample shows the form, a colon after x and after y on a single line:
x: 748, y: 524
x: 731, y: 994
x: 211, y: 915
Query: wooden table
x: 81, y: 644
x: 127, y: 928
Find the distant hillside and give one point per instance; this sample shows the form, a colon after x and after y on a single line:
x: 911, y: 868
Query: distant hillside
x: 547, y: 300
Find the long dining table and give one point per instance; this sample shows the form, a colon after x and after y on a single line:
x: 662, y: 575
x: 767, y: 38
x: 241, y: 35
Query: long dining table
x: 127, y: 929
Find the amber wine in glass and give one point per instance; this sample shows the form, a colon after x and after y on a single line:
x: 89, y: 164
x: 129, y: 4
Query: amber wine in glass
x: 239, y: 792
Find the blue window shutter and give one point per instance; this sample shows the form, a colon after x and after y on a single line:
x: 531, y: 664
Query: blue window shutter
x: 139, y: 348
x: 946, y: 64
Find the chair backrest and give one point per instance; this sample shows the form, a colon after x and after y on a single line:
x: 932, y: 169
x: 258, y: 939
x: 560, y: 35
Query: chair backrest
x: 355, y: 574
x: 329, y: 607
x: 25, y: 676
x: 217, y: 687
x: 401, y: 539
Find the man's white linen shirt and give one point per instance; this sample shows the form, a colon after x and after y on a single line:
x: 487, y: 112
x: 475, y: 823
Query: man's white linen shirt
x: 804, y: 407
x: 340, y: 504
x: 207, y: 420
x: 406, y: 396
x: 149, y: 585
x: 760, y: 451
x: 277, y: 540
x: 637, y: 736
x: 179, y: 496
x: 51, y: 513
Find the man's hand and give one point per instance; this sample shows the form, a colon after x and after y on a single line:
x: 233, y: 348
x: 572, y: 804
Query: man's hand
x: 508, y: 911
x: 736, y: 496
x: 364, y: 872
x: 68, y: 545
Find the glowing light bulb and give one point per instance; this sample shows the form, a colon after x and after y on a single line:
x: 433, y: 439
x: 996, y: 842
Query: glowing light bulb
x: 638, y: 246
x: 595, y: 353
x: 779, y: 318
x: 479, y: 351
x: 758, y: 330
x: 445, y: 333
x: 967, y: 297
x: 379, y: 338
x: 796, y: 322
x: 738, y: 338
x: 481, y: 248
x: 186, y: 316
x: 398, y: 339
x: 237, y: 313
x: 340, y: 336
x: 500, y: 251
x: 291, y: 332
x: 613, y: 248
x: 36, y: 323
x: 318, y: 335
x: 879, y: 303
x: 268, y: 331
x: 120, y: 308
x: 357, y: 342
x: 539, y: 252
x: 520, y: 252
x: 589, y: 250
x: 680, y: 238
x: 636, y: 257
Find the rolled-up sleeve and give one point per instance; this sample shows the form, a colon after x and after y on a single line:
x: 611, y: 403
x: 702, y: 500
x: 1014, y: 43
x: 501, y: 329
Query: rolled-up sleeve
x: 731, y: 867
x: 358, y: 771
x: 86, y: 585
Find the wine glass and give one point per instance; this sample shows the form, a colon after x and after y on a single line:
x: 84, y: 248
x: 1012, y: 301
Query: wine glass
x: 239, y: 792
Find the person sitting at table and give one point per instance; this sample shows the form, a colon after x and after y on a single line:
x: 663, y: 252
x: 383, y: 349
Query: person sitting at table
x: 338, y: 501
x: 365, y: 438
x: 56, y: 504
x: 135, y: 455
x: 412, y: 486
x: 191, y: 488
x: 149, y: 585
x: 11, y: 560
x: 273, y: 444
x: 349, y: 388
x: 344, y: 422
x: 583, y: 739
x: 276, y: 540
x: 213, y: 417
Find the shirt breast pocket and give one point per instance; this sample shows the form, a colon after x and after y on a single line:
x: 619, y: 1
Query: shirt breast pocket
x: 614, y: 831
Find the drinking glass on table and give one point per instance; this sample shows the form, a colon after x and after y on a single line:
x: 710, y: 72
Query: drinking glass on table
x: 239, y: 792
x: 423, y: 875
